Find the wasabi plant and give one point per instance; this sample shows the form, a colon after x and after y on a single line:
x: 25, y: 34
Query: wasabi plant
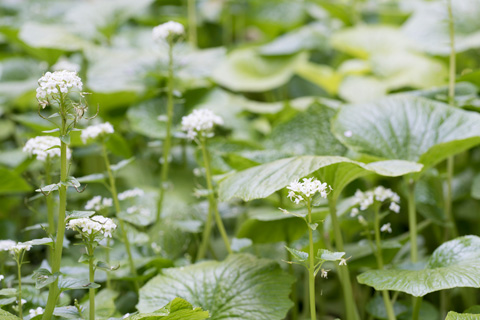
x: 92, y: 231
x: 303, y: 193
x: 376, y: 201
x: 17, y: 251
x: 45, y: 149
x: 199, y: 127
x: 61, y: 90
x: 167, y: 34
x: 100, y: 132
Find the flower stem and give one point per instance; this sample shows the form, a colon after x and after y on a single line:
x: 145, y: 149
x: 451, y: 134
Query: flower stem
x: 350, y: 306
x: 168, y: 136
x: 50, y: 206
x: 412, y: 219
x: 19, y: 260
x: 452, y: 228
x: 386, y: 296
x: 91, y: 278
x: 311, y: 269
x: 113, y: 190
x: 62, y: 206
x: 417, y: 302
x: 192, y: 23
x: 213, y: 207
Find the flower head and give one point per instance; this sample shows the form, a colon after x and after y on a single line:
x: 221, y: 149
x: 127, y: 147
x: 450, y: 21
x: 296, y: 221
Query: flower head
x: 386, y: 228
x: 6, y: 245
x: 98, y: 203
x: 93, y: 226
x: 379, y: 195
x: 1, y: 277
x: 324, y: 273
x: 44, y: 147
x: 136, y: 192
x: 171, y: 28
x: 35, y: 312
x: 200, y: 121
x: 301, y: 191
x: 53, y: 84
x: 14, y: 247
x: 92, y: 132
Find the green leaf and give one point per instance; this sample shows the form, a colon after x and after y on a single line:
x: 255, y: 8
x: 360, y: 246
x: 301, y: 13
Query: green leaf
x: 177, y: 309
x: 105, y: 266
x: 322, y: 75
x: 476, y: 187
x: 104, y: 303
x: 75, y: 214
x: 246, y: 70
x: 44, y: 277
x: 7, y: 316
x: 144, y: 119
x: 34, y: 35
x: 429, y: 29
x: 455, y: 263
x: 298, y: 255
x: 407, y: 128
x: 71, y: 283
x: 328, y: 255
x: 96, y: 177
x: 241, y: 285
x: 261, y: 181
x: 10, y: 182
x: 68, y: 312
x: 462, y: 316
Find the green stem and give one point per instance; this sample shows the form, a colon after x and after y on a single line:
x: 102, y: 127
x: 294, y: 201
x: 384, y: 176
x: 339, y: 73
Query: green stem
x: 116, y: 203
x: 294, y: 298
x: 91, y: 278
x: 386, y: 296
x: 192, y: 23
x: 451, y: 228
x: 19, y: 275
x: 54, y: 291
x: 107, y: 258
x: 168, y: 136
x: 417, y: 302
x: 311, y: 269
x: 412, y: 219
x: 50, y: 206
x: 350, y: 306
x: 207, y: 230
x: 211, y: 196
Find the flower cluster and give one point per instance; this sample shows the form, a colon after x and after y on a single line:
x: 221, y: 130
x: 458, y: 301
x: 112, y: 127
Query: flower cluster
x: 92, y: 132
x: 98, y: 203
x: 58, y: 82
x: 44, y: 147
x: 136, y: 192
x: 200, y: 121
x: 94, y: 226
x: 35, y: 312
x: 301, y: 191
x: 162, y: 32
x: 14, y: 247
x: 380, y: 194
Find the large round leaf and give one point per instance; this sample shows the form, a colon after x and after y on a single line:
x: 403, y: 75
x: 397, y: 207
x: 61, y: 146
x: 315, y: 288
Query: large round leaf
x: 246, y: 70
x: 407, y: 128
x: 261, y: 181
x: 462, y: 316
x: 454, y: 264
x: 428, y: 27
x: 241, y: 287
x: 177, y: 309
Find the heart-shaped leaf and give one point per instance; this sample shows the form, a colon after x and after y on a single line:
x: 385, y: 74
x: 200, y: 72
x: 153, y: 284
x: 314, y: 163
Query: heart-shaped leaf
x: 246, y: 70
x: 455, y: 263
x: 7, y: 316
x: 452, y: 315
x: 241, y: 285
x: 178, y: 309
x: 261, y: 181
x: 407, y: 128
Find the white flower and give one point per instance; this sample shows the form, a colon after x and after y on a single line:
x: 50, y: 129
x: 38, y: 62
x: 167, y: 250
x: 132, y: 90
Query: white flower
x: 98, y: 203
x: 379, y: 194
x: 386, y: 228
x: 23, y: 301
x: 35, y: 312
x: 126, y: 316
x: 300, y: 191
x: 324, y: 273
x: 92, y: 132
x: 348, y: 133
x: 6, y: 245
x: 58, y: 82
x: 1, y: 277
x: 161, y: 32
x: 96, y: 225
x: 136, y: 192
x: 64, y: 64
x: 354, y: 212
x: 343, y: 262
x: 200, y: 121
x: 43, y: 147
x: 394, y: 207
